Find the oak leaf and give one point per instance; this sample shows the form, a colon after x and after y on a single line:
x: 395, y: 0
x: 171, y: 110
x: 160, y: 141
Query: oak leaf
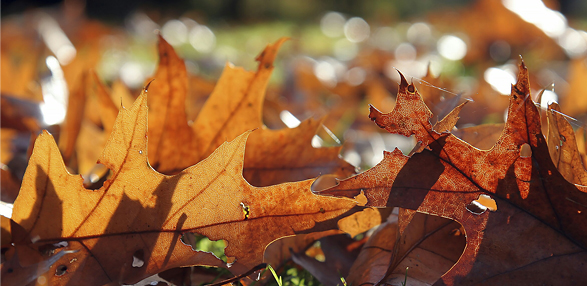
x: 563, y: 148
x: 536, y: 231
x: 235, y: 106
x: 427, y: 245
x: 131, y: 227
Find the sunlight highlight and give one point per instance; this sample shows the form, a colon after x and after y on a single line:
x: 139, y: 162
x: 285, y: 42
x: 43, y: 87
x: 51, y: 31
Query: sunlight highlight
x: 55, y: 94
x: 501, y: 80
x: 56, y: 40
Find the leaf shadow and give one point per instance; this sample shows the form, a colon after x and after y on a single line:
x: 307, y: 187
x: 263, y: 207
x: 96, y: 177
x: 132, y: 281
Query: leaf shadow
x: 142, y: 228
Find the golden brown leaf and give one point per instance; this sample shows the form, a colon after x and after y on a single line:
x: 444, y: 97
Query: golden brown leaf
x: 70, y: 127
x: 141, y: 213
x: 235, y: 106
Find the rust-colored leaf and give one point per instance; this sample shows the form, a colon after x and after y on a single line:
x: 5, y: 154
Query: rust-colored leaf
x: 410, y: 116
x: 425, y: 244
x: 536, y: 234
x: 131, y: 227
x: 481, y: 136
x: 563, y: 147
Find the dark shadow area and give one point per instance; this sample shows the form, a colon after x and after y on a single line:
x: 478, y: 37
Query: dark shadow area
x: 34, y: 260
x: 409, y: 191
x: 129, y: 236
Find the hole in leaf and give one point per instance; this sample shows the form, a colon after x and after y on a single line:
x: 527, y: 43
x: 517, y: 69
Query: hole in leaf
x: 202, y: 243
x: 411, y: 88
x: 483, y: 203
x: 61, y: 269
x: 138, y: 258
x: 316, y: 252
x: 525, y: 150
x: 96, y: 177
x: 324, y: 182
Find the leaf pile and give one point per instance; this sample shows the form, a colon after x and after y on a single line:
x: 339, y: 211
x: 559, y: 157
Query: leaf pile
x: 190, y: 162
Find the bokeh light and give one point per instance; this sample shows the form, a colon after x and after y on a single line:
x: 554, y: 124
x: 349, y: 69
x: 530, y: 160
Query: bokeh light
x: 357, y: 30
x: 452, y: 47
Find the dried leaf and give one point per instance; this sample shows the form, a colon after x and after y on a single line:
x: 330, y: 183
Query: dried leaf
x: 73, y: 119
x: 339, y: 251
x: 428, y: 245
x: 147, y: 212
x: 536, y: 234
x: 373, y: 261
x: 481, y: 136
x: 273, y: 156
x: 562, y: 147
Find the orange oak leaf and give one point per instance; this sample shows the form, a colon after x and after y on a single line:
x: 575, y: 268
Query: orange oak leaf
x: 535, y: 232
x: 70, y: 128
x: 131, y: 227
x: 235, y: 106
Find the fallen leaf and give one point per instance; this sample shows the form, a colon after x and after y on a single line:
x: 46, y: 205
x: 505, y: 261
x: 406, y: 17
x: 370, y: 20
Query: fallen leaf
x: 235, y: 106
x: 481, y: 136
x: 562, y: 147
x: 373, y: 261
x: 13, y: 273
x: 425, y: 244
x: 70, y: 127
x: 360, y: 222
x: 536, y: 234
x: 339, y: 251
x: 146, y: 212
x: 279, y: 252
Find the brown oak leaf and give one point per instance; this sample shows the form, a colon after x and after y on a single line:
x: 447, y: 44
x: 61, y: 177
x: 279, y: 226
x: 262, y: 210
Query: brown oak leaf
x: 536, y: 232
x: 427, y: 245
x: 562, y: 146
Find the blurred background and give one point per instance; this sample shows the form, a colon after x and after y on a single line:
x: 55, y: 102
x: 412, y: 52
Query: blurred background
x: 342, y: 56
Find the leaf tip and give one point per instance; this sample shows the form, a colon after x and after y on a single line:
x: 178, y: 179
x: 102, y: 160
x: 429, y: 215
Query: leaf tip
x: 375, y: 114
x: 522, y: 64
x: 403, y: 82
x: 146, y: 88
